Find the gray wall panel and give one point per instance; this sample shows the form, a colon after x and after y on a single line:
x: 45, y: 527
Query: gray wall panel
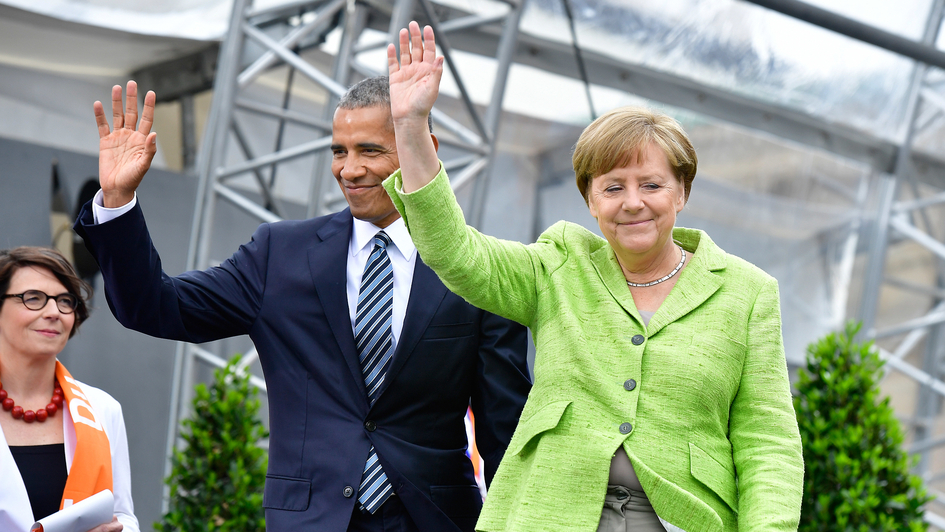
x: 133, y: 368
x: 25, y: 186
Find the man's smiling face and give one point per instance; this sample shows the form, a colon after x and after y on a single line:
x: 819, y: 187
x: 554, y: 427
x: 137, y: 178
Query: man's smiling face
x: 364, y: 153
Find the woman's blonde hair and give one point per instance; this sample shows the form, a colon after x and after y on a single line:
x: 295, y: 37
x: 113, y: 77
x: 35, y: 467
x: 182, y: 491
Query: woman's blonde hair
x: 619, y: 136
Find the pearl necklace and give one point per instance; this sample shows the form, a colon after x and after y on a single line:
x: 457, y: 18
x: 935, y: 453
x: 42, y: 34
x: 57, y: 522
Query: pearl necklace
x: 28, y: 415
x: 682, y: 260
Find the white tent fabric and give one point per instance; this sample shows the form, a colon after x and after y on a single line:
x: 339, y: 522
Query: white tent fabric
x: 183, y: 19
x: 51, y: 70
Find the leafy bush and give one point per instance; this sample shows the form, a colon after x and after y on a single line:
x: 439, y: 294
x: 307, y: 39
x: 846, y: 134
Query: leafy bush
x: 856, y: 474
x: 216, y: 482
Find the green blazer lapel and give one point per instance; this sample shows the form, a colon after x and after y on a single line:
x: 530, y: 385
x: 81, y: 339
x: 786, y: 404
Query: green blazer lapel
x: 605, y: 262
x: 696, y: 283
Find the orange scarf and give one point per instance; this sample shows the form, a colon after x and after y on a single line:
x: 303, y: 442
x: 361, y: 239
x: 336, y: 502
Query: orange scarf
x: 91, y: 470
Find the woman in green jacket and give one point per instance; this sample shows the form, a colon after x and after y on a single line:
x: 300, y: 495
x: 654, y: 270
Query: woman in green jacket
x: 661, y: 398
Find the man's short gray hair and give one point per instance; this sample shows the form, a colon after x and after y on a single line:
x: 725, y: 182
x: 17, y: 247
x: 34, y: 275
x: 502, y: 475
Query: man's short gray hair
x: 371, y: 92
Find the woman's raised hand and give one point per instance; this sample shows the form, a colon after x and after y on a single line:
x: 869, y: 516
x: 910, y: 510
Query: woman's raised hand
x: 414, y: 85
x: 415, y: 80
x: 125, y: 152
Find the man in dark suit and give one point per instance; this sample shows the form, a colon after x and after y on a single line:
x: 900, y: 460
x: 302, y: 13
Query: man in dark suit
x: 366, y: 415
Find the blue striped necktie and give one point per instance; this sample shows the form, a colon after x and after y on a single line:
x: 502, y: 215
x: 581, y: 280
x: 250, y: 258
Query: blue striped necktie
x: 372, y: 334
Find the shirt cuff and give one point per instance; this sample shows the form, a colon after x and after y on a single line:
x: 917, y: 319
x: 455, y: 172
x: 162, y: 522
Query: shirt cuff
x: 102, y: 214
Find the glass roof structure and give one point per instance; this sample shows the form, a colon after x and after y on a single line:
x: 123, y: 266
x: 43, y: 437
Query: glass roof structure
x: 753, y: 52
x: 748, y: 50
x: 730, y: 45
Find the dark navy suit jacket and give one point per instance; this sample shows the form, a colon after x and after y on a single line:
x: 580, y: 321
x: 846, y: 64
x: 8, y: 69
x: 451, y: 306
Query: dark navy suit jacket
x: 286, y: 290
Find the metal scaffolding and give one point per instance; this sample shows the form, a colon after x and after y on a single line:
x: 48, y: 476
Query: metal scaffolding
x: 910, y: 183
x: 902, y: 216
x: 261, y: 39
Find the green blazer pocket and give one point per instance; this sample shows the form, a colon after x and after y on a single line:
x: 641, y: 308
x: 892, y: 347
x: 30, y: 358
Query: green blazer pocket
x: 287, y: 493
x: 713, y: 475
x: 545, y: 419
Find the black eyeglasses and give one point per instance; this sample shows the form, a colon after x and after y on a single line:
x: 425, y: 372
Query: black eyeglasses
x: 36, y: 300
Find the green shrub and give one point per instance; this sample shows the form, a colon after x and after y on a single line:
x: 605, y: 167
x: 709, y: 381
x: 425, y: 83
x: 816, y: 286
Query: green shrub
x: 856, y: 474
x: 216, y: 482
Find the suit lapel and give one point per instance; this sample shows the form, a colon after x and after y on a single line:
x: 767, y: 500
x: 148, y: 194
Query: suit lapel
x: 696, y: 283
x: 426, y: 293
x: 327, y: 261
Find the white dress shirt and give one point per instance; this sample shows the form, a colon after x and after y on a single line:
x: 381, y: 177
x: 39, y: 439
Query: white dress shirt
x: 403, y: 259
x: 402, y: 253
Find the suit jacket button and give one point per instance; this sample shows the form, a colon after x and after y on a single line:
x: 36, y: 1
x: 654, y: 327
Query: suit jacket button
x: 370, y: 425
x: 629, y: 385
x: 348, y: 492
x: 637, y: 339
x: 625, y: 428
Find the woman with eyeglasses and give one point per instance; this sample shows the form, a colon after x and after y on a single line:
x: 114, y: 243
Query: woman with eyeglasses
x: 61, y: 441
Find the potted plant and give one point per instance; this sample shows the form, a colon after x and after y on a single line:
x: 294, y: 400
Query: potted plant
x: 216, y: 481
x: 856, y: 473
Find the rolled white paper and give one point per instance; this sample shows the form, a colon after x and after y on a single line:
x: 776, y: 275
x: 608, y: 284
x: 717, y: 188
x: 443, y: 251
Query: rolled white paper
x: 81, y: 516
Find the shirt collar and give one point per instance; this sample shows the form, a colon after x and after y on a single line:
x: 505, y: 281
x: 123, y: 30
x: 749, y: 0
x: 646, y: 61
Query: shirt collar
x: 363, y: 233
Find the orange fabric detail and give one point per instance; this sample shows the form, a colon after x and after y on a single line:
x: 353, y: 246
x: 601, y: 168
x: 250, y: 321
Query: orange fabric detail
x: 91, y: 470
x: 473, y: 449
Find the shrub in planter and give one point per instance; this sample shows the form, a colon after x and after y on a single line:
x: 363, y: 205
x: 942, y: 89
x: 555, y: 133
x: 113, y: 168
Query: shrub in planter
x: 216, y: 481
x: 856, y: 474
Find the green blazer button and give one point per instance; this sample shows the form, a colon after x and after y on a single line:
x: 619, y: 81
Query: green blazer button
x: 625, y: 428
x: 629, y: 385
x: 637, y: 339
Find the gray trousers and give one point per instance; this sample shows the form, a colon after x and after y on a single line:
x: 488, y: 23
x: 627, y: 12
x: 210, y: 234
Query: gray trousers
x: 627, y: 510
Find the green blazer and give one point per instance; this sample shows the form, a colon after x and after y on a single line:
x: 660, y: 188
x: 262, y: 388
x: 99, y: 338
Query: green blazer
x: 699, y: 398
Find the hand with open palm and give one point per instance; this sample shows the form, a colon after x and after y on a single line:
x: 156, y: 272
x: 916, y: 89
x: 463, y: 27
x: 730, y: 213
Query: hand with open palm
x: 124, y: 153
x: 414, y: 86
x: 415, y: 81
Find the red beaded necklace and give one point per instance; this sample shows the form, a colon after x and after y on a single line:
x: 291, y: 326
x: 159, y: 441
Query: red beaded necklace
x: 28, y: 415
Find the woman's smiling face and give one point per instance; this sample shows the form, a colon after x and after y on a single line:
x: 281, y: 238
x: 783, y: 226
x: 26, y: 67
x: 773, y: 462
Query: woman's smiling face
x: 28, y: 332
x: 636, y: 204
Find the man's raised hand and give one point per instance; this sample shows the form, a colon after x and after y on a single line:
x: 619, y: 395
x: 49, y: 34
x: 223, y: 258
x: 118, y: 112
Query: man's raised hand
x: 124, y: 153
